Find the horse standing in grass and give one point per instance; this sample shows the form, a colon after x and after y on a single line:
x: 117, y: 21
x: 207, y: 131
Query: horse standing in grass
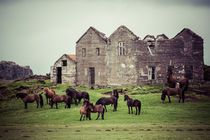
x: 60, y: 98
x: 133, y: 103
x: 30, y: 99
x: 49, y: 93
x: 109, y: 100
x: 77, y: 95
x: 85, y: 110
x: 97, y: 108
x: 173, y: 91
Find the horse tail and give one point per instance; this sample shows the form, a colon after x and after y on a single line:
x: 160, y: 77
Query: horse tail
x: 116, y: 104
x: 41, y: 100
x: 139, y: 106
x: 103, y: 113
x: 69, y: 102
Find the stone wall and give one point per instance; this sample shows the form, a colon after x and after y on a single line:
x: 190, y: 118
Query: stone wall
x: 126, y: 60
x: 68, y: 73
x: 91, y: 41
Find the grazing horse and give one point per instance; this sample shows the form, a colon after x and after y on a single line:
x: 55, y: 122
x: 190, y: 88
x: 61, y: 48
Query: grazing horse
x: 30, y: 99
x: 172, y: 91
x: 60, y: 98
x: 109, y: 100
x: 49, y: 93
x: 133, y: 103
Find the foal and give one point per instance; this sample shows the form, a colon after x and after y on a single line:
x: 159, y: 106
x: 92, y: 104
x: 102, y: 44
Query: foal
x: 133, y: 103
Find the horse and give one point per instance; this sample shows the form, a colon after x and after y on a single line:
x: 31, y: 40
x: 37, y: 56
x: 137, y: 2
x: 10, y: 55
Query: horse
x: 173, y: 91
x: 49, y: 93
x: 109, y: 100
x: 60, y: 98
x: 85, y: 110
x: 77, y: 95
x: 133, y: 103
x: 184, y: 83
x: 97, y: 108
x: 30, y: 99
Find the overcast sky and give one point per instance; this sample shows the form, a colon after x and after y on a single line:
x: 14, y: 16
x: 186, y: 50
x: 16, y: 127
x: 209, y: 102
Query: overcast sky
x: 38, y: 32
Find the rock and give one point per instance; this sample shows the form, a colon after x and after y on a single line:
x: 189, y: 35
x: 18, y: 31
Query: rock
x: 11, y: 71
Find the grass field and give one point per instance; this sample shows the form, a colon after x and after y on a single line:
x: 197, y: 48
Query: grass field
x: 189, y: 120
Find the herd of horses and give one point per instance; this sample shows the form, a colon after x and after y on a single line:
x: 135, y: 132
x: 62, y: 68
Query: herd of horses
x: 175, y: 87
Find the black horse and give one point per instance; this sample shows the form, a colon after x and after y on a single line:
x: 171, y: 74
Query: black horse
x: 77, y: 95
x: 30, y: 99
x: 133, y: 103
x: 109, y: 100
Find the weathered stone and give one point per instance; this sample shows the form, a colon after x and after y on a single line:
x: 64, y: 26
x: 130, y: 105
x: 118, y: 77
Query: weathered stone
x: 11, y: 71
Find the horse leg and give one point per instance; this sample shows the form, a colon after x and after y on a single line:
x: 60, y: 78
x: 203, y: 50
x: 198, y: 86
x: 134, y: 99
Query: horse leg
x: 26, y: 106
x: 128, y: 110
x: 183, y: 97
x: 136, y: 109
x: 37, y: 104
x: 56, y: 105
x: 81, y: 118
x: 75, y: 101
x: 131, y: 109
x: 105, y: 108
x: 169, y: 100
x: 98, y: 115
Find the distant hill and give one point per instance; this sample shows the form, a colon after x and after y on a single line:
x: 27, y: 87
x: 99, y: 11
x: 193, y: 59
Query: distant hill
x: 10, y: 70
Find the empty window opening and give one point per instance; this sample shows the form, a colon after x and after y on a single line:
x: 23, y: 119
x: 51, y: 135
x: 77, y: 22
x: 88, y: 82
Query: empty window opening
x: 98, y: 51
x: 83, y: 52
x: 122, y: 50
x: 151, y: 73
x: 64, y: 62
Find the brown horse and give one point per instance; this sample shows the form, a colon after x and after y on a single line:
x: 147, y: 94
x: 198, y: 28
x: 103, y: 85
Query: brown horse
x: 60, y: 98
x: 172, y: 91
x: 97, y: 108
x: 30, y: 99
x: 49, y: 93
x: 77, y: 95
x: 133, y: 103
x: 109, y: 100
x: 85, y: 110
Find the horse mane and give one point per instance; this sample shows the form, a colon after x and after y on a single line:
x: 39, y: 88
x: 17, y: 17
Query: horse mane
x: 21, y: 95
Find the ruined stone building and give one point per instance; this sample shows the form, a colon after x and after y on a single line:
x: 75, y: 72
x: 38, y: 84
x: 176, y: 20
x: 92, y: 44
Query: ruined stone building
x: 124, y: 59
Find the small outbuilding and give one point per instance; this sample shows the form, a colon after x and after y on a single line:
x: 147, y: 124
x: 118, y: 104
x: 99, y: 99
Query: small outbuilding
x: 64, y: 70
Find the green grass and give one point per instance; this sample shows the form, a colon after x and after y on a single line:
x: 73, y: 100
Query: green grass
x: 189, y: 120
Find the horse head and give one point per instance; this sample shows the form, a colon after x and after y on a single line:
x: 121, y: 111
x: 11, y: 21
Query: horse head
x: 21, y: 95
x: 126, y: 97
x: 91, y: 106
x: 177, y: 85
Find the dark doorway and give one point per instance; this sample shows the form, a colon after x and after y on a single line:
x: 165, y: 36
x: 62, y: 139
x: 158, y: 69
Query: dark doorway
x: 189, y: 71
x: 59, y: 75
x: 92, y: 76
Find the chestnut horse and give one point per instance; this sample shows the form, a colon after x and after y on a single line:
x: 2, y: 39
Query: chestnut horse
x: 133, y: 103
x: 60, y: 98
x: 85, y: 110
x: 30, y: 99
x: 173, y: 91
x: 49, y: 93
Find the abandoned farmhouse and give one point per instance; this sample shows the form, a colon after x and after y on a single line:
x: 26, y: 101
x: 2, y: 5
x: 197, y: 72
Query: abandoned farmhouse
x: 125, y: 59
